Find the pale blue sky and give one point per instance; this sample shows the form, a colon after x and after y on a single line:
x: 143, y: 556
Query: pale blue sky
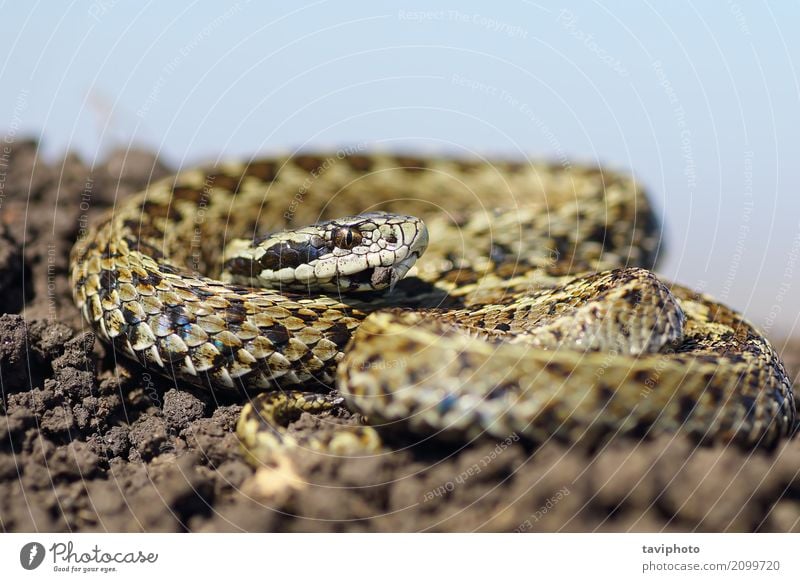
x: 699, y: 99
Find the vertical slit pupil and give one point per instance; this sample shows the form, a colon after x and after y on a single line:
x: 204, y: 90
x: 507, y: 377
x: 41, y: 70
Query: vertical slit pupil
x: 347, y: 238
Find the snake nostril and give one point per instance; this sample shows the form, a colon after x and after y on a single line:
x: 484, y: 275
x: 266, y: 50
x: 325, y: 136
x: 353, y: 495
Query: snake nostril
x: 391, y: 238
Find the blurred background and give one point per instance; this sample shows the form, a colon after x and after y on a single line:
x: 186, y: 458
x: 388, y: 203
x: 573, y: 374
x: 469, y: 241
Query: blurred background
x: 700, y: 100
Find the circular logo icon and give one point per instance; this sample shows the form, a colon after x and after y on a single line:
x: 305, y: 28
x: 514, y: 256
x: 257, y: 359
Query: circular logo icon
x: 31, y: 555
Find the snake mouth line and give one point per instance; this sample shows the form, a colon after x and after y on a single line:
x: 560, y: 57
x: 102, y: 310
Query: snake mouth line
x: 383, y: 277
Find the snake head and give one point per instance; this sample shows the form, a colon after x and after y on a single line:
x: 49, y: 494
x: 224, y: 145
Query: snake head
x: 366, y: 252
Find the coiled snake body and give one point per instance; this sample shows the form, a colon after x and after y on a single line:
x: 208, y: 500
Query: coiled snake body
x: 531, y: 312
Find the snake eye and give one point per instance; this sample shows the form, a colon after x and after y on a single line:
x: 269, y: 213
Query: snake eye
x: 346, y: 238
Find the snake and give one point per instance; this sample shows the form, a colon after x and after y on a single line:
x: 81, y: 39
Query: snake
x: 446, y: 297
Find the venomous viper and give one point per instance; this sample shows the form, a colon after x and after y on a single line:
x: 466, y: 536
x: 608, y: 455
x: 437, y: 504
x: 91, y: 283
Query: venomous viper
x: 541, y: 319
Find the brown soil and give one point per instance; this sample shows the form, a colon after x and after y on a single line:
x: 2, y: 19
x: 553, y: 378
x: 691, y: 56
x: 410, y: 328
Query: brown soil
x: 92, y: 443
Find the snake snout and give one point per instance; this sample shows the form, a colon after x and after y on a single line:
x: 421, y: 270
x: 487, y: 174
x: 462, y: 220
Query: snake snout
x: 420, y: 243
x: 413, y: 239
